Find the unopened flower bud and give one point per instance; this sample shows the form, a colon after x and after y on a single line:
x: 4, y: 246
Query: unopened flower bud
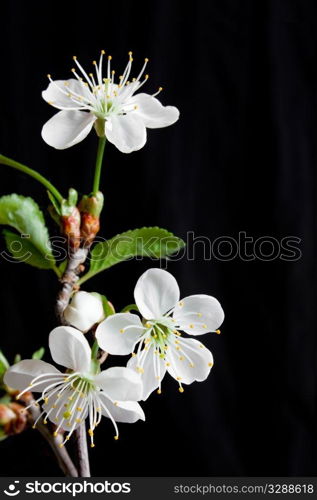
x: 90, y: 208
x: 71, y: 227
x: 6, y: 414
x: 84, y: 311
x: 13, y: 419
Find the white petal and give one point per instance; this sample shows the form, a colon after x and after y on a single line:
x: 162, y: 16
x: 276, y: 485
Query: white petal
x: 60, y: 98
x: 156, y: 292
x: 67, y: 128
x: 198, y: 314
x: 120, y: 384
x: 126, y: 132
x: 192, y: 361
x: 20, y: 375
x: 152, y: 374
x: 123, y: 411
x: 152, y: 112
x: 70, y: 348
x: 84, y: 311
x: 118, y: 333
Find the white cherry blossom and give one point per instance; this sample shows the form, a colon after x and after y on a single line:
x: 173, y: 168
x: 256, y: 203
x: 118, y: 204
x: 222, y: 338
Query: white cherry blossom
x: 118, y: 114
x: 160, y: 345
x: 69, y: 398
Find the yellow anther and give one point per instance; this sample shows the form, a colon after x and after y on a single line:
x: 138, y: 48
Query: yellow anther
x: 139, y: 369
x: 115, y: 403
x: 155, y: 335
x: 146, y: 77
x: 73, y: 70
x: 177, y: 348
x: 53, y: 406
x: 130, y: 53
x: 55, y: 434
x: 121, y: 330
x: 176, y: 341
x: 218, y: 332
x: 201, y: 346
x: 113, y: 72
x: 109, y: 57
x: 94, y: 63
x: 45, y: 421
x: 98, y: 409
x: 210, y: 364
x: 178, y: 378
x: 70, y: 398
x: 67, y: 414
x: 157, y: 378
x: 33, y: 426
x: 48, y: 76
x: 133, y: 355
x: 67, y: 438
x: 116, y: 438
x: 92, y: 445
x: 158, y: 391
x: 74, y: 58
x: 79, y: 408
x: 181, y: 358
x: 77, y: 420
x: 90, y: 432
x: 103, y: 52
x: 146, y: 59
x: 168, y: 364
x: 181, y: 304
x: 181, y: 389
x: 148, y: 325
x: 61, y: 445
x: 191, y: 325
x: 199, y: 315
x: 191, y: 365
x: 205, y: 326
x: 91, y: 75
x: 160, y: 89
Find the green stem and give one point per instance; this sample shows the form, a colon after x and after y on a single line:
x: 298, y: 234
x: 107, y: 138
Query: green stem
x: 29, y: 171
x: 94, y: 350
x: 99, y: 158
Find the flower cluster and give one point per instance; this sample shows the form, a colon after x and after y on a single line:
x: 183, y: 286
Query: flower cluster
x: 156, y: 342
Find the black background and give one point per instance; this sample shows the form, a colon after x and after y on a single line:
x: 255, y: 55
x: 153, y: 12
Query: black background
x: 241, y: 158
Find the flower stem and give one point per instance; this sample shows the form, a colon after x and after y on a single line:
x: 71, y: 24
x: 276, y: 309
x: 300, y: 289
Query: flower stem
x: 29, y: 171
x: 99, y: 158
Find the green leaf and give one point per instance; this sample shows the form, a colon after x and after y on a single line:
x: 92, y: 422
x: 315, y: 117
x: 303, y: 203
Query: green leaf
x: 4, y: 364
x: 108, y: 309
x: 152, y: 242
x: 23, y: 251
x: 38, y: 354
x: 24, y: 215
x: 5, y: 399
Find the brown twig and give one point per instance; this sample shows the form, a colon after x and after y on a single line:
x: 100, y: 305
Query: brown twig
x: 82, y: 451
x: 63, y: 459
x: 68, y: 281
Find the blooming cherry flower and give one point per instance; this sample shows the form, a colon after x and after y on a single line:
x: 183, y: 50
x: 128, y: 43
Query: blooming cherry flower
x: 113, y: 108
x: 84, y: 311
x: 69, y: 398
x: 161, y: 346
